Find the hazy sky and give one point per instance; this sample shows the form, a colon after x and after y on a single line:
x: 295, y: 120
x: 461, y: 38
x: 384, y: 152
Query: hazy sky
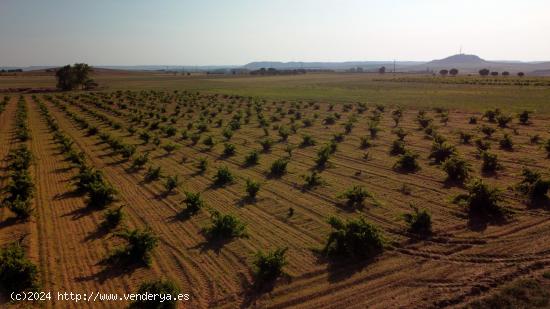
x: 206, y: 32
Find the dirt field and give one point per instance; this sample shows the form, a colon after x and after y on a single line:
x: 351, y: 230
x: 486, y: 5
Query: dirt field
x: 464, y: 260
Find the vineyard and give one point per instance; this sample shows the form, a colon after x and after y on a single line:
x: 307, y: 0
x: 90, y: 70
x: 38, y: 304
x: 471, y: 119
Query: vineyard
x: 249, y: 202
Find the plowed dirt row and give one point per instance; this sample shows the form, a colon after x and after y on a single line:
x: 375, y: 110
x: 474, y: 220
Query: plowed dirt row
x: 11, y: 230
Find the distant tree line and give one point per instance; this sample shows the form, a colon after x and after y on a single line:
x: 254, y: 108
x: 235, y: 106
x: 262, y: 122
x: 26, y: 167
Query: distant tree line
x: 11, y: 71
x: 273, y: 71
x: 487, y: 72
x: 75, y: 76
x: 445, y: 72
x: 382, y: 70
x: 482, y: 72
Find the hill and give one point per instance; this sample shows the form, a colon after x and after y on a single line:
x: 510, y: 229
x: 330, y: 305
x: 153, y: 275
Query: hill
x: 465, y: 63
x: 459, y: 60
x: 346, y: 65
x: 472, y: 64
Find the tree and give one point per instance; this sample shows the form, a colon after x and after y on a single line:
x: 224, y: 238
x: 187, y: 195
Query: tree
x: 268, y: 266
x: 524, y: 117
x: 223, y: 176
x: 521, y: 74
x: 17, y: 272
x: 193, y: 202
x: 140, y: 244
x: 353, y: 239
x: 225, y: 227
x: 441, y: 151
x: 278, y: 168
x: 69, y: 77
x: 112, y: 218
x: 453, y: 72
x: 81, y: 72
x: 407, y: 162
x: 382, y: 70
x: 355, y: 196
x: 494, y: 73
x: 444, y: 72
x: 457, y: 169
x: 64, y: 78
x: 481, y: 199
x: 505, y: 73
x: 419, y: 222
x: 484, y: 72
x: 533, y: 185
x: 252, y: 188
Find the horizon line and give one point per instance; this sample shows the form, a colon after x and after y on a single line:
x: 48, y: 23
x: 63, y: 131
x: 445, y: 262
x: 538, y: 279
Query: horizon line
x: 254, y: 61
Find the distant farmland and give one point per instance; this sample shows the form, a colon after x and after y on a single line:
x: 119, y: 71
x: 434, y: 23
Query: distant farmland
x: 463, y: 92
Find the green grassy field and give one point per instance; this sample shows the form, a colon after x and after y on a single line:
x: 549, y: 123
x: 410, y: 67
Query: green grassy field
x: 335, y: 87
